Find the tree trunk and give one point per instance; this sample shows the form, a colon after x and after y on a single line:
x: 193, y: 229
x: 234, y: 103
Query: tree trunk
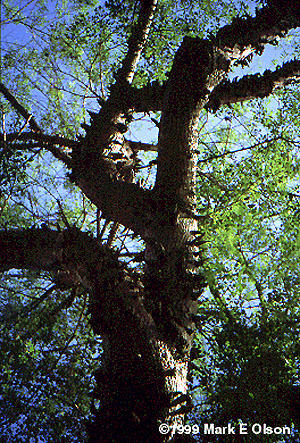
x: 142, y: 380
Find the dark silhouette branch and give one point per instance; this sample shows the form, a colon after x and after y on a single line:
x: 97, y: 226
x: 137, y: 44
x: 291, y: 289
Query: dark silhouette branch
x: 150, y: 97
x: 146, y: 99
x: 122, y: 202
x: 248, y: 34
x: 70, y: 255
x: 47, y: 142
x: 40, y: 248
x: 20, y: 108
x: 45, y: 138
x: 140, y: 146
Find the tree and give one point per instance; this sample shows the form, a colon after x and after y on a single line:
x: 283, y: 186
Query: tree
x: 146, y: 315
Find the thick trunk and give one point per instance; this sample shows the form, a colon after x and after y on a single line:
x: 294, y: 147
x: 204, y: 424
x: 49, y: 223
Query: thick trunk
x: 140, y: 376
x: 142, y: 380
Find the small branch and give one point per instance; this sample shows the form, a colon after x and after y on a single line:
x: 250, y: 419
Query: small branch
x: 112, y: 234
x: 20, y: 108
x: 47, y: 142
x: 247, y: 148
x: 137, y: 41
x: 139, y: 146
x: 63, y: 215
x: 98, y: 218
x: 105, y: 125
x: 45, y: 138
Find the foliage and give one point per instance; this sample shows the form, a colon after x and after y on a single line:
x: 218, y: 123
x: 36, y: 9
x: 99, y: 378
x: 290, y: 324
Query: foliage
x: 250, y: 315
x: 47, y: 353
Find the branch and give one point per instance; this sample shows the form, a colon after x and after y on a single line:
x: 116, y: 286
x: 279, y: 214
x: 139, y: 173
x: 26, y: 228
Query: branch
x: 245, y: 35
x: 122, y: 202
x: 48, y: 142
x: 45, y: 138
x: 139, y: 146
x: 20, y: 108
x: 70, y: 253
x: 247, y: 148
x: 254, y: 86
x: 80, y: 259
x: 59, y: 155
x: 137, y: 41
x: 34, y: 248
x: 37, y: 134
x: 146, y: 99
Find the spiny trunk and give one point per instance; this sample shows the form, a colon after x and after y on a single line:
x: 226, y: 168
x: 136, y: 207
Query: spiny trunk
x: 140, y: 375
x: 142, y: 380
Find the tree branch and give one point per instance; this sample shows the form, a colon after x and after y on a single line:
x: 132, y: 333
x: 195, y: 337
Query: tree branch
x: 37, y: 131
x: 92, y: 171
x: 122, y: 202
x: 146, y: 99
x: 139, y: 146
x: 245, y: 35
x: 254, y: 86
x: 20, y: 108
x: 45, y: 138
x: 137, y: 41
x: 34, y: 248
x: 48, y: 142
x: 69, y: 253
x: 76, y: 257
